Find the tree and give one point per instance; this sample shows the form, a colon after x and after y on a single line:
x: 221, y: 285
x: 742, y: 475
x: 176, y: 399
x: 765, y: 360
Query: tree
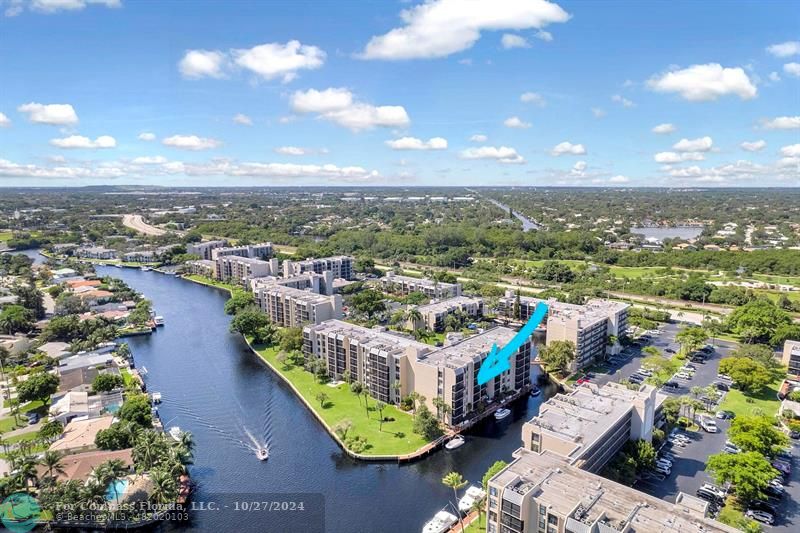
x: 758, y: 352
x: 29, y: 297
x: 38, y: 386
x: 555, y: 271
x: 342, y: 427
x: 757, y: 321
x: 425, y: 423
x: 51, y: 430
x: 249, y: 322
x: 749, y: 375
x: 107, y: 382
x: 356, y: 387
x: 558, y: 355
x: 15, y: 318
x: 691, y: 338
x: 749, y: 472
x: 785, y: 332
x: 51, y: 461
x: 117, y: 437
x: 290, y: 339
x: 516, y: 309
x: 322, y: 398
x: 369, y: 302
x: 239, y: 300
x: 136, y: 409
x: 757, y: 434
x: 671, y: 409
x: 413, y: 315
x: 380, y: 406
x: 455, y: 481
x: 124, y: 350
x: 643, y: 454
x: 496, y: 467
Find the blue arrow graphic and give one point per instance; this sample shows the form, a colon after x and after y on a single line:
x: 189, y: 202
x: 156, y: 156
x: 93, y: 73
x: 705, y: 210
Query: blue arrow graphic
x: 497, y: 361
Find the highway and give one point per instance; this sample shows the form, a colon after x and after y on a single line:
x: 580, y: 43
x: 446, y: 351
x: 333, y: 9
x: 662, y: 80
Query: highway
x: 137, y: 223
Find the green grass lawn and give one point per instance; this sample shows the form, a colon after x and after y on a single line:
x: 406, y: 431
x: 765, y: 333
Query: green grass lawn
x: 783, y: 280
x: 397, y: 437
x: 212, y: 282
x: 766, y: 400
x: 477, y: 526
x: 25, y: 437
x: 8, y: 424
x: 127, y: 378
x: 6, y: 235
x: 30, y: 406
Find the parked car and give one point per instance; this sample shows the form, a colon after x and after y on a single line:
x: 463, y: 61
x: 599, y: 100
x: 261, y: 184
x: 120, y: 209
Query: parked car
x: 662, y: 469
x: 708, y: 425
x: 671, y: 385
x: 724, y: 377
x: 762, y: 516
x: 709, y: 495
x: 669, y: 350
x: 774, y: 492
x: 636, y: 378
x: 707, y: 349
x: 719, y: 491
x: 722, y: 386
x: 683, y: 375
x: 731, y: 449
x: 725, y: 415
x: 645, y: 372
x: 764, y: 506
x: 33, y: 418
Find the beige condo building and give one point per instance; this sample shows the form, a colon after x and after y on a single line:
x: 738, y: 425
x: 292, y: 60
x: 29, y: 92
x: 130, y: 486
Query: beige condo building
x: 434, y: 314
x: 290, y: 307
x: 398, y: 284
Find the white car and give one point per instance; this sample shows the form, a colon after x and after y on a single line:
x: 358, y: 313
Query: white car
x: 664, y: 463
x: 683, y: 375
x: 762, y: 516
x: 713, y: 488
x: 645, y: 372
x: 679, y: 442
x: 726, y: 377
x: 662, y: 470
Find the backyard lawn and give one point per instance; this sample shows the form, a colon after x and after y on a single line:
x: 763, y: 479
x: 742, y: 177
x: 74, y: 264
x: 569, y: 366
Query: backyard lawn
x: 397, y: 437
x: 211, y: 282
x: 7, y: 424
x: 767, y: 400
x: 6, y: 236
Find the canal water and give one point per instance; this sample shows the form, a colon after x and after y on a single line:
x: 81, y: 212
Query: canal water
x: 213, y: 386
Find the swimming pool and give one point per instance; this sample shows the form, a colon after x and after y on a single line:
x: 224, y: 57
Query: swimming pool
x: 116, y: 489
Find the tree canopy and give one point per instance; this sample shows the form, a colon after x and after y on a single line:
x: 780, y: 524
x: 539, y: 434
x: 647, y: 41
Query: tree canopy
x: 757, y: 321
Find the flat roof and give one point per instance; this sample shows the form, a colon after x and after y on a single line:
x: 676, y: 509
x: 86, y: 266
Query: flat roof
x: 448, y: 304
x: 296, y: 294
x: 465, y: 351
x: 418, y: 281
x: 370, y: 338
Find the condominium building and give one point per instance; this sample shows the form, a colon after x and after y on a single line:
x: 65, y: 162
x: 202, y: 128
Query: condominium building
x: 341, y: 266
x: 791, y: 356
x: 202, y: 267
x: 433, y: 315
x: 140, y: 256
x: 236, y: 269
x: 543, y: 493
x: 96, y: 252
x: 398, y: 284
x: 317, y: 283
x: 203, y: 249
x: 289, y: 307
x: 588, y: 426
x: 253, y: 251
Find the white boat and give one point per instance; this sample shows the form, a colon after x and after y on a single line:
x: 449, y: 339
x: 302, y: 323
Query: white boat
x: 473, y: 494
x: 176, y: 433
x: 158, y: 320
x: 146, y: 269
x: 536, y: 391
x: 156, y: 397
x: 262, y: 454
x: 441, y: 522
x: 456, y: 442
x: 502, y: 413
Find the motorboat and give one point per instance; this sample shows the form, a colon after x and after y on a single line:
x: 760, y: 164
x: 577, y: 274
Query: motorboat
x: 176, y: 433
x: 456, y: 442
x: 441, y: 522
x: 262, y: 454
x: 158, y: 320
x: 472, y: 495
x: 536, y: 391
x: 156, y: 397
x: 502, y: 413
x: 146, y: 269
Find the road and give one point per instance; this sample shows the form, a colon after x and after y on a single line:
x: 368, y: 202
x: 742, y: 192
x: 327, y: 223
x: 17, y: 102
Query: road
x: 136, y: 222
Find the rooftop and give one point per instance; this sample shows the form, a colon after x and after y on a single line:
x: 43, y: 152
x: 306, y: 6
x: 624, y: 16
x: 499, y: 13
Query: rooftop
x: 391, y: 276
x: 463, y: 352
x: 80, y: 465
x: 81, y: 433
x: 370, y: 338
x: 296, y: 294
x: 448, y: 304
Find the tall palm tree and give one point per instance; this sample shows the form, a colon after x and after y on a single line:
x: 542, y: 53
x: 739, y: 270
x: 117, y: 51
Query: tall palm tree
x: 165, y: 489
x: 455, y: 481
x: 24, y: 472
x: 413, y: 315
x: 51, y: 460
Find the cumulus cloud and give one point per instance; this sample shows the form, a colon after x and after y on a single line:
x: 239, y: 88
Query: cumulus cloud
x: 268, y: 61
x: 191, y: 142
x: 147, y: 136
x: 516, y: 122
x: 753, y: 146
x: 618, y: 98
x: 339, y: 106
x: 787, y: 49
x: 479, y: 138
x: 292, y: 150
x: 242, y: 119
x: 792, y: 69
x: 792, y: 150
x: 598, y: 112
x: 53, y: 114
x: 619, y: 179
x: 567, y: 148
x: 79, y: 141
x: 544, y: 36
x: 664, y: 128
x: 511, y: 40
x: 412, y: 143
x: 675, y: 157
x: 49, y: 7
x: 440, y: 28
x: 503, y: 154
x: 741, y: 171
x: 149, y: 160
x: 533, y: 98
x: 782, y: 123
x: 4, y: 121
x: 705, y: 82
x: 702, y: 144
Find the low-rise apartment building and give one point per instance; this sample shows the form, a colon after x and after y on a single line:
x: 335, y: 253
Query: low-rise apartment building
x: 203, y: 249
x: 543, y: 493
x: 317, y: 283
x: 791, y: 356
x: 140, y: 256
x: 261, y: 251
x: 290, y: 307
x: 588, y: 426
x: 404, y: 285
x: 237, y: 269
x: 96, y: 252
x: 202, y: 267
x: 341, y: 266
x: 433, y: 315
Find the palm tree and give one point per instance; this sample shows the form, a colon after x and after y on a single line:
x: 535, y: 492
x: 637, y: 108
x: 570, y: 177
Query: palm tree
x: 478, y: 506
x: 455, y: 481
x: 124, y: 351
x: 187, y: 441
x: 52, y: 462
x: 380, y: 406
x: 165, y: 488
x: 415, y: 396
x: 413, y: 315
x: 396, y: 386
x: 24, y: 471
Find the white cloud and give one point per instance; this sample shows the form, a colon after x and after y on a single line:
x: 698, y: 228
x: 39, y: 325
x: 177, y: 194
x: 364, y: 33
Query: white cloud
x: 479, y: 138
x: 510, y: 40
x: 202, y: 64
x: 54, y: 6
x: 242, y: 119
x: 579, y: 169
x: 533, y: 98
x: 741, y: 171
x: 598, y: 112
x: 664, y: 128
x: 4, y: 121
x: 516, y: 122
x: 702, y: 144
x: 774, y: 76
x: 53, y: 114
x: 147, y: 136
x: 793, y: 150
x: 191, y: 142
x: 705, y: 82
x: 503, y: 154
x: 619, y: 179
x: 287, y: 119
x: 753, y: 146
x: 567, y: 148
x: 787, y: 49
x: 292, y: 150
x: 412, y: 143
x: 149, y: 160
x: 544, y: 36
x: 276, y: 60
x: 674, y: 157
x: 439, y: 28
x: 339, y: 106
x: 792, y: 69
x: 79, y: 141
x: 782, y: 123
x: 622, y: 100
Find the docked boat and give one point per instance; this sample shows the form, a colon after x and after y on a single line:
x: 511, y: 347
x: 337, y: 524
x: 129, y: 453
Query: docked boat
x: 456, y: 442
x: 146, y: 269
x: 441, y: 522
x: 502, y: 413
x: 158, y: 320
x: 262, y: 454
x: 473, y: 494
x: 176, y: 433
x: 536, y: 391
x: 156, y: 397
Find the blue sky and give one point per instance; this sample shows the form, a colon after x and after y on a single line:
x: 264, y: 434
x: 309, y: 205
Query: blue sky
x: 450, y: 92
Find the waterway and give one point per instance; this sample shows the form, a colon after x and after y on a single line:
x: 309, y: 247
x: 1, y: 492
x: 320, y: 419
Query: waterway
x: 213, y: 386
